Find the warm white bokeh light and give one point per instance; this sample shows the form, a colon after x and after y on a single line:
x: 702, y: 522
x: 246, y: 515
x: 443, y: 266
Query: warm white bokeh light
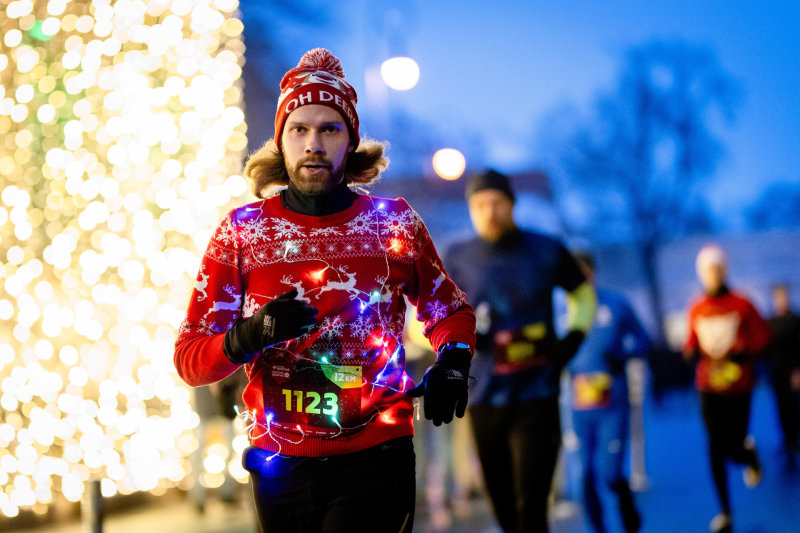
x: 449, y: 163
x: 124, y: 135
x: 400, y: 73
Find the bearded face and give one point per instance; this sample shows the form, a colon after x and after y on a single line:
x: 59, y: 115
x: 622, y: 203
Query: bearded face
x: 491, y: 212
x: 315, y: 175
x: 315, y: 145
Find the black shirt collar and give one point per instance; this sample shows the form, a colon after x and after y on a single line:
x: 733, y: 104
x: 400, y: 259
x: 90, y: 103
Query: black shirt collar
x: 339, y: 199
x: 722, y: 291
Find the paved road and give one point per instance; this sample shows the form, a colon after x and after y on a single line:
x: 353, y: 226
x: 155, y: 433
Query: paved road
x: 677, y: 498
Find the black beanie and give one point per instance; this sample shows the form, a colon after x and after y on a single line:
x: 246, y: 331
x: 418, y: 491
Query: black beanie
x: 490, y: 179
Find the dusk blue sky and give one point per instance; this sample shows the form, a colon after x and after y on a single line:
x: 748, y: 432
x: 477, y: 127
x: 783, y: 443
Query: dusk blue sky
x: 497, y: 69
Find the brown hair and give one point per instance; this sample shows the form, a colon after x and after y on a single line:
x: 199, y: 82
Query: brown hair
x: 267, y: 170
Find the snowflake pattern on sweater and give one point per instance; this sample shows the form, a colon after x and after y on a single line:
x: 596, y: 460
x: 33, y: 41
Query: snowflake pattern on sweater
x: 347, y: 372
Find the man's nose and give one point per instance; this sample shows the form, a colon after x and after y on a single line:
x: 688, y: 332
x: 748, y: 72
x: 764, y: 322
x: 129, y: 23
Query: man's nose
x: 314, y: 143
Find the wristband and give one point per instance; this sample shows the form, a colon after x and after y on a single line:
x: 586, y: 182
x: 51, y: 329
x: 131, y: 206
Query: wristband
x: 453, y: 344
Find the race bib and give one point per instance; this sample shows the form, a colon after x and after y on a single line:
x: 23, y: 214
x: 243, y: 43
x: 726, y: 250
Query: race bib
x: 519, y: 348
x: 591, y: 390
x: 722, y: 375
x: 319, y: 399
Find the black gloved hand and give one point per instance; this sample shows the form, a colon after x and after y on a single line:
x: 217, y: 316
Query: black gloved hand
x: 566, y: 348
x: 444, y: 385
x: 279, y: 320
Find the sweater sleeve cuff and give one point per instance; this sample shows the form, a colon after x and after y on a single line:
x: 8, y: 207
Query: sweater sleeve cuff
x: 456, y: 327
x: 201, y: 361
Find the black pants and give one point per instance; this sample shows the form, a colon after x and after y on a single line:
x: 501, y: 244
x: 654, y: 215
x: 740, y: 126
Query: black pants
x: 726, y: 419
x: 518, y: 448
x: 369, y: 491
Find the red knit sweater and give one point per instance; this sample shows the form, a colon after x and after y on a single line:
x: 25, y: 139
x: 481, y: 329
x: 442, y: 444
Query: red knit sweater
x: 721, y: 327
x: 340, y: 388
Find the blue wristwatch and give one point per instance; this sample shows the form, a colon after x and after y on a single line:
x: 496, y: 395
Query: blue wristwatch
x: 450, y: 345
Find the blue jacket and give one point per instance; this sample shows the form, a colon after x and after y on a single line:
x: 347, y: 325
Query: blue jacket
x: 510, y: 283
x: 616, y: 336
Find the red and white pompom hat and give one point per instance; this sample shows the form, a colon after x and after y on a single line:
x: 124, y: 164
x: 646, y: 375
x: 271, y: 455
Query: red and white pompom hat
x: 317, y: 79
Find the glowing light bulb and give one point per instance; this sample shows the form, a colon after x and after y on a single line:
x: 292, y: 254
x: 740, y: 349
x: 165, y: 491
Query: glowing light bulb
x: 317, y: 274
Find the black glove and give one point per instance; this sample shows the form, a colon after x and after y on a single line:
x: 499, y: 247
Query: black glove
x: 566, y: 348
x: 444, y: 385
x: 279, y: 320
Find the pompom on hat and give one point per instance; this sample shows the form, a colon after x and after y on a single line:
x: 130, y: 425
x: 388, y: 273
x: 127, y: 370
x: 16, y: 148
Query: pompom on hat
x: 317, y: 79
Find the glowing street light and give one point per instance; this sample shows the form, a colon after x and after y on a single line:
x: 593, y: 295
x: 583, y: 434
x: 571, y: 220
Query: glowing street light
x: 449, y: 163
x: 400, y: 73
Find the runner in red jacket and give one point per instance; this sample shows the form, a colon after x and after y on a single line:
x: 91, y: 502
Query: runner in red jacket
x: 307, y: 290
x: 726, y: 333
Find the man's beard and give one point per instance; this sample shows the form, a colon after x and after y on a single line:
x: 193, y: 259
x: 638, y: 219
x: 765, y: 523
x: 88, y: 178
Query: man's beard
x: 315, y: 184
x: 495, y: 230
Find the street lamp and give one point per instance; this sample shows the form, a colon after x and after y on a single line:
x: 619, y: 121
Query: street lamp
x: 449, y: 163
x: 400, y: 73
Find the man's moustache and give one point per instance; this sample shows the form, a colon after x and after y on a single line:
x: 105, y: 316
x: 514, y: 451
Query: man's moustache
x: 314, y: 161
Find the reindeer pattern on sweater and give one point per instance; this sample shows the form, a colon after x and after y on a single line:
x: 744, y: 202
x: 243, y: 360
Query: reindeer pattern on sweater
x: 357, y: 267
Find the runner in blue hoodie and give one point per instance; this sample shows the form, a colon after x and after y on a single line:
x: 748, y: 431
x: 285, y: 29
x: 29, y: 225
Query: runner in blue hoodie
x: 599, y: 395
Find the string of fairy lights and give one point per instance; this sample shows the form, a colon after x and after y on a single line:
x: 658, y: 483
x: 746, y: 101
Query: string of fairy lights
x: 122, y: 139
x: 385, y: 348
